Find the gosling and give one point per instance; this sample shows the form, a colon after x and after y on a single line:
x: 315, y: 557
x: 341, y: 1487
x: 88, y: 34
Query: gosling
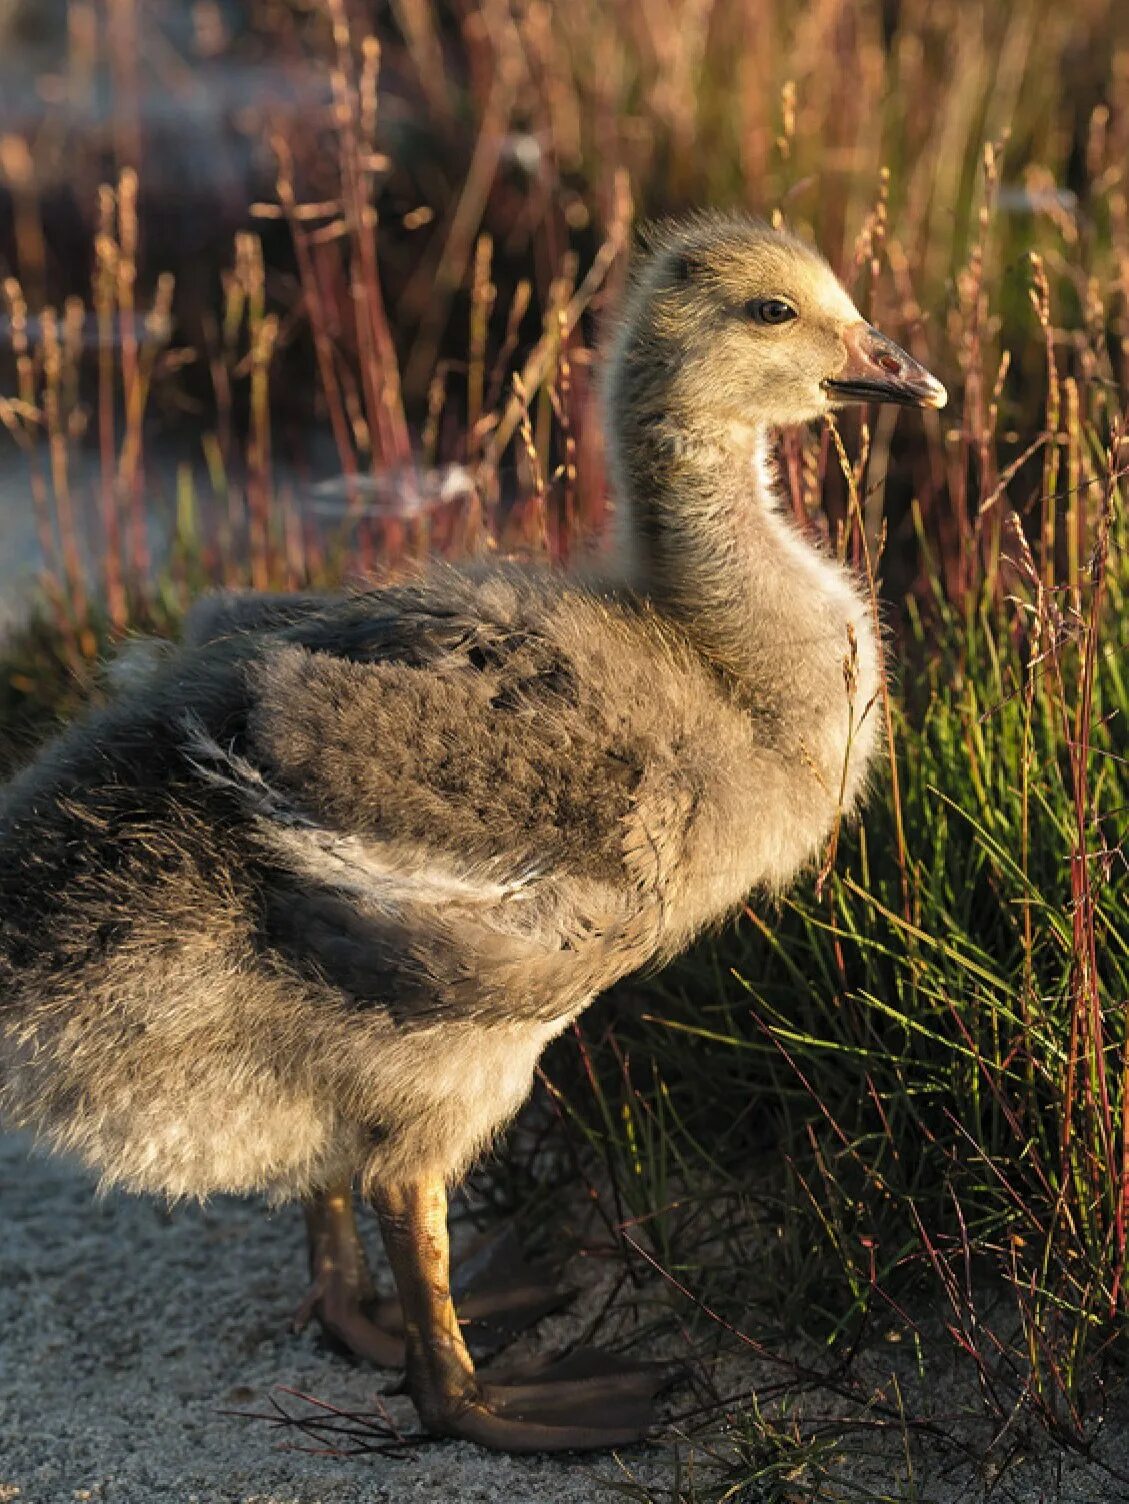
x: 300, y: 910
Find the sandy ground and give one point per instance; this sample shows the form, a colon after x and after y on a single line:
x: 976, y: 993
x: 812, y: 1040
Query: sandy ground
x: 125, y: 1330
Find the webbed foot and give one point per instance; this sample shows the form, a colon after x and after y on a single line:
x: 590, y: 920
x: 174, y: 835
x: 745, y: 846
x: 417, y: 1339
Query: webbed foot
x: 588, y: 1401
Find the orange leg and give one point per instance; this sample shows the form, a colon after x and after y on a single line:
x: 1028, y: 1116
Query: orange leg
x: 501, y: 1295
x: 586, y: 1402
x: 341, y: 1294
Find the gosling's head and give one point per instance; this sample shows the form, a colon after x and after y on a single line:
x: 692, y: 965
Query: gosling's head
x: 732, y: 325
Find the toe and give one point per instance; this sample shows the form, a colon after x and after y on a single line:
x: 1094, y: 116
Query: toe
x: 588, y: 1401
x: 488, y: 1427
x: 351, y: 1330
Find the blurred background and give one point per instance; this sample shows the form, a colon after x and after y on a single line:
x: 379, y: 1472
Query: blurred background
x: 270, y: 265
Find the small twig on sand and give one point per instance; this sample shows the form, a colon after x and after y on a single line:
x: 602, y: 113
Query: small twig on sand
x: 342, y: 1433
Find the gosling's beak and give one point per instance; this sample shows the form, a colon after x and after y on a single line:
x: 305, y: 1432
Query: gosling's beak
x: 878, y: 370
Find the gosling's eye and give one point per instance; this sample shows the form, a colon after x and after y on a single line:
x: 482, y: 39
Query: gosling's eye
x: 770, y: 311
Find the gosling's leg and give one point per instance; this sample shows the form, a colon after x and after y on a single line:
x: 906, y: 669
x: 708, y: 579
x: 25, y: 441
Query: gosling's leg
x: 341, y: 1294
x: 500, y: 1294
x: 579, y: 1404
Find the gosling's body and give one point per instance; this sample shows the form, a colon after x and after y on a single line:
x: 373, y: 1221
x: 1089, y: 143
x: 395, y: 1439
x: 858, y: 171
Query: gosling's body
x: 303, y: 908
x: 367, y: 865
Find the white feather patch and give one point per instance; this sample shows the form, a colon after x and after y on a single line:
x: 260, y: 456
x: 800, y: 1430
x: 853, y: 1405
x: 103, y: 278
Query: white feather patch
x: 389, y: 875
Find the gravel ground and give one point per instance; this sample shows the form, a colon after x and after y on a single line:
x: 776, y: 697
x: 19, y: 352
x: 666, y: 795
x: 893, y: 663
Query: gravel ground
x: 126, y: 1329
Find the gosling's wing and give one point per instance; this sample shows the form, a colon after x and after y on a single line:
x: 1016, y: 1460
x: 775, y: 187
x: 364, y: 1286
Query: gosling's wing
x: 450, y: 718
x: 455, y: 811
x: 542, y: 954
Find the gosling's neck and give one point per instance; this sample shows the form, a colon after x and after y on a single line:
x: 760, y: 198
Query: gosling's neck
x: 703, y: 535
x: 685, y: 542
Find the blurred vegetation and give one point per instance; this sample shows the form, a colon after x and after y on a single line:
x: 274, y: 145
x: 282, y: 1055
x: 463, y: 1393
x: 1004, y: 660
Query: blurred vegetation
x: 374, y: 341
